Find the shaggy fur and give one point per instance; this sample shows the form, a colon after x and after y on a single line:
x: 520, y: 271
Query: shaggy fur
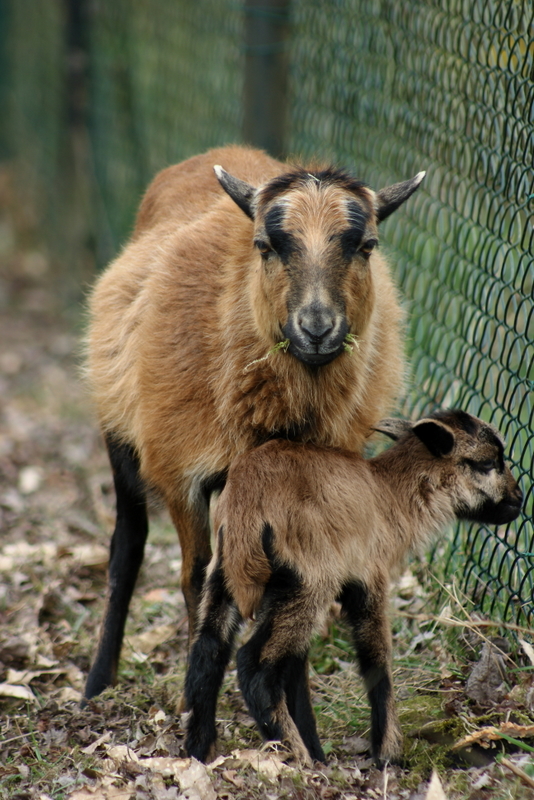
x: 220, y: 269
x: 301, y: 526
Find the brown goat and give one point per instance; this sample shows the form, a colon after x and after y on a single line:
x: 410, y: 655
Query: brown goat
x: 221, y: 272
x: 300, y: 526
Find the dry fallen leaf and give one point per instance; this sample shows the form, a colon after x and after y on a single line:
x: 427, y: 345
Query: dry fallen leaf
x: 435, y: 789
x: 19, y: 648
x: 90, y: 749
x: 90, y: 555
x: 87, y: 793
x: 232, y: 776
x: 196, y: 777
x: 67, y: 694
x: 156, y: 596
x: 121, y: 752
x: 484, y: 735
x: 102, y: 792
x: 529, y: 650
x: 20, y: 692
x: 146, y: 642
x: 486, y: 683
x: 26, y: 676
x: 268, y: 764
x: 189, y: 773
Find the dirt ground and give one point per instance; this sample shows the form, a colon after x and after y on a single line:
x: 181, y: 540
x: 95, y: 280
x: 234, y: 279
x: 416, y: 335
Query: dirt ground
x: 56, y: 515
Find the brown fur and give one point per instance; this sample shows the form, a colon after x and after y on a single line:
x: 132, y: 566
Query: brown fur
x: 183, y: 311
x: 394, y: 503
x: 340, y: 521
x: 181, y: 321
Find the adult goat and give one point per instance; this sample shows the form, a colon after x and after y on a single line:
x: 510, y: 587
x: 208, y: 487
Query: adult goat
x: 224, y: 322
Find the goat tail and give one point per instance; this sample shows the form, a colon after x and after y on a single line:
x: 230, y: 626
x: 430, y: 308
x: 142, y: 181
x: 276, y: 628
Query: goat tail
x: 248, y: 566
x: 267, y: 542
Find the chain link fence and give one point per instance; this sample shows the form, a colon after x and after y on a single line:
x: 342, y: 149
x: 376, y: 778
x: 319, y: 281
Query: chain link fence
x: 101, y: 95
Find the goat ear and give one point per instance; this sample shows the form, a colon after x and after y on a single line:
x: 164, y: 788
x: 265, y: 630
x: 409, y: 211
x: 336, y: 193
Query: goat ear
x: 436, y: 436
x: 393, y: 427
x: 241, y: 192
x: 389, y: 199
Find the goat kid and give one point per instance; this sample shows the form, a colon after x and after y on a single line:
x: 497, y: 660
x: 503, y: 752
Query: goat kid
x: 222, y: 269
x: 300, y: 526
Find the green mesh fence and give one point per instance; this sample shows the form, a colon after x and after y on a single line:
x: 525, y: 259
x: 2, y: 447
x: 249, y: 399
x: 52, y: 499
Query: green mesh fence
x: 448, y: 87
x: 32, y: 88
x: 166, y: 83
x: 385, y: 87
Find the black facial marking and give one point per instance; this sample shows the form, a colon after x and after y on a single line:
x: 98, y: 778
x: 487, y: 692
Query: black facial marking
x: 281, y: 184
x: 357, y: 216
x: 333, y: 175
x: 483, y: 467
x: 492, y: 513
x: 489, y: 436
x: 282, y: 242
x: 351, y: 239
x: 300, y: 176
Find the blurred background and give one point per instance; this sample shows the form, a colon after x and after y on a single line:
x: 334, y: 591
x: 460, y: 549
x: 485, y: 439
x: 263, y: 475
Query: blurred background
x: 96, y: 96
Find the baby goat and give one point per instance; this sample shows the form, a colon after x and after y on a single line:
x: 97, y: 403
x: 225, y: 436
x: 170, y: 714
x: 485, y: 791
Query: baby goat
x: 300, y: 526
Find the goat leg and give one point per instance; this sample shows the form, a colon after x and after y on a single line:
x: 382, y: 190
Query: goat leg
x: 126, y: 556
x: 297, y: 688
x: 192, y: 525
x: 262, y: 684
x: 271, y: 666
x: 208, y: 659
x: 365, y: 609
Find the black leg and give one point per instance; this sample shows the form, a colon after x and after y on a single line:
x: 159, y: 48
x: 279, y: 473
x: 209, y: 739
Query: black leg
x: 265, y: 683
x: 300, y: 707
x: 272, y: 665
x: 126, y: 556
x: 208, y: 659
x: 261, y: 683
x: 365, y: 609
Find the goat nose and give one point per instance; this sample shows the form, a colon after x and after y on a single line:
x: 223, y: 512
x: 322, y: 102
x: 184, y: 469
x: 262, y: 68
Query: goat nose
x: 316, y: 325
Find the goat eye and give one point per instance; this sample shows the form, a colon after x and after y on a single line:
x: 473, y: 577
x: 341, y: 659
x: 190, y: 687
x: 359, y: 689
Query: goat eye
x: 367, y: 247
x: 484, y: 466
x: 264, y: 248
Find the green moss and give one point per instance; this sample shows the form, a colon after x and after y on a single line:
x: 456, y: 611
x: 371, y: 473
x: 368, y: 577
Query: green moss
x: 428, y: 736
x: 419, y: 709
